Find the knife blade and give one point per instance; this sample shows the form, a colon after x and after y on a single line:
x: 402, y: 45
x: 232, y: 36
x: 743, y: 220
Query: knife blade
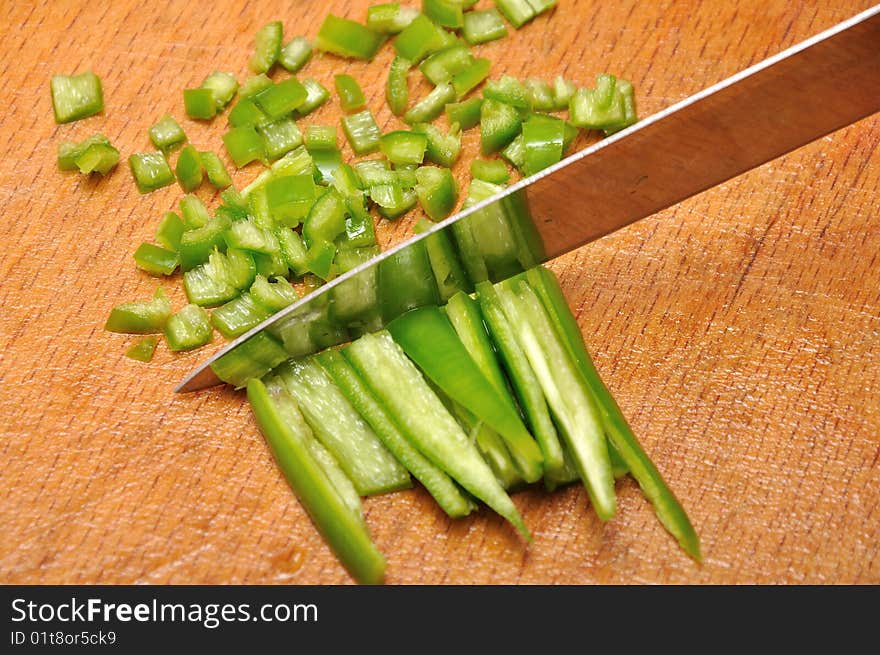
x: 786, y: 101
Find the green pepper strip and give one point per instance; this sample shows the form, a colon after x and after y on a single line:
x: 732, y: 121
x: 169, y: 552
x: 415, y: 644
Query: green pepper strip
x: 429, y: 339
x: 251, y: 359
x: 567, y: 394
x: 340, y: 527
x: 669, y: 511
x: 499, y: 125
x: 439, y: 484
x: 445, y: 262
x: 447, y: 13
x: 189, y: 169
x: 362, y: 132
x: 431, y: 106
x: 397, y: 89
x: 465, y: 113
x: 406, y: 281
x: 424, y: 420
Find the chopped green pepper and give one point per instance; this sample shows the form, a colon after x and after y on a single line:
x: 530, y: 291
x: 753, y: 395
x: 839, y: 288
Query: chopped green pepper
x: 351, y: 96
x: 490, y: 170
x: 447, y: 13
x: 295, y: 54
x: 224, y: 87
x: 499, y: 125
x: 431, y: 106
x: 150, y: 170
x: 145, y: 317
x: 155, y: 259
x: 199, y: 103
x: 244, y: 145
x: 362, y: 132
x: 76, y: 96
x: 188, y: 329
x: 143, y: 350
x: 189, y: 169
x: 483, y: 26
x: 437, y: 191
x: 420, y: 38
x: 348, y: 38
x: 390, y: 18
x: 397, y: 90
x: 267, y: 47
x: 465, y: 113
x: 167, y: 134
x: 215, y: 169
x: 402, y: 147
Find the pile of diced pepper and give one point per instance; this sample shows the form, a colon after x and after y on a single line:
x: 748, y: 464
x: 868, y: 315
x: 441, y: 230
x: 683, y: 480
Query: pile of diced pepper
x: 308, y: 217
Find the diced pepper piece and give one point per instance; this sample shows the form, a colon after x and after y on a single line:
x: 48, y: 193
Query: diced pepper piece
x: 483, y: 26
x: 540, y: 6
x: 69, y: 151
x: 290, y: 197
x: 445, y: 64
x: 447, y: 13
x: 499, y: 125
x: 220, y: 279
x: 439, y: 484
x: 508, y: 90
x: 359, y: 230
x: 543, y: 139
x: 515, y: 152
x: 143, y: 350
x: 247, y: 235
x: 199, y: 103
x: 189, y: 169
x: 292, y: 249
x: 414, y: 407
x: 319, y: 259
x: 567, y: 394
x: 431, y: 106
x: 539, y: 94
x: 404, y: 200
x: 437, y: 191
x: 155, y: 259
x: 338, y: 524
x: 169, y: 232
x: 76, y: 96
x: 490, y: 170
x: 295, y: 54
x: 563, y: 91
x: 338, y: 426
x: 95, y: 157
x: 150, y: 171
x: 193, y: 211
x: 351, y: 96
x: 390, y: 18
x: 326, y: 219
x: 429, y: 339
x: 465, y: 113
x: 443, y: 149
x: 605, y: 107
x: 630, y: 116
x: 251, y: 359
x: 362, y: 132
x: 188, y: 329
x: 282, y: 98
x: 402, y: 147
x: 397, y: 89
x: 246, y: 113
x: 280, y: 137
x: 237, y: 316
x: 353, y: 302
x: 419, y: 39
x: 167, y: 134
x: 518, y: 12
x: 471, y: 77
x: 254, y: 84
x: 348, y: 38
x: 267, y: 47
x: 316, y: 95
x: 524, y: 382
x: 215, y: 170
x: 406, y: 281
x: 321, y: 137
x: 244, y: 145
x: 144, y: 317
x: 273, y: 294
x: 224, y: 87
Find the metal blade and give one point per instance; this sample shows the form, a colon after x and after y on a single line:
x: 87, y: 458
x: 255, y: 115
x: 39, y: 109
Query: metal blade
x: 799, y: 95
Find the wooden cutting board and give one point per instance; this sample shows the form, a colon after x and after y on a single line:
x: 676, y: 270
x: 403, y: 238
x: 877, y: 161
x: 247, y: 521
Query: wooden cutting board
x: 740, y: 331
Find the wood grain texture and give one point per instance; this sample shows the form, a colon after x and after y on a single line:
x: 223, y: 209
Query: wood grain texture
x: 740, y: 330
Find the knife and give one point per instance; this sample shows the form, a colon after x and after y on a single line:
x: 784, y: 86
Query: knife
x: 801, y: 94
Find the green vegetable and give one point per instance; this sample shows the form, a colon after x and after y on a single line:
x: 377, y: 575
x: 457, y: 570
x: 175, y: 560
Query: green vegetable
x: 281, y: 99
x: 92, y: 155
x: 439, y: 484
x: 150, y: 171
x: 295, y: 54
x: 326, y: 219
x: 280, y: 137
x: 199, y: 103
x: 267, y: 47
x: 443, y: 149
x: 76, y: 96
x: 509, y: 91
x: 428, y: 338
x: 316, y: 95
x: 437, y: 191
x: 431, y: 106
x: 466, y: 113
x: 449, y: 274
x: 351, y: 96
x: 188, y: 329
x: 348, y: 38
x: 143, y: 350
x: 406, y: 281
x: 362, y: 132
x: 196, y: 245
x: 342, y: 528
x: 444, y: 64
x: 390, y: 18
x: 215, y: 169
x: 189, y: 169
x: 471, y: 77
x: 666, y: 505
x: 194, y: 212
x: 539, y: 94
x: 543, y: 137
x: 401, y: 147
x: 254, y: 84
x: 338, y: 426
x: 490, y: 170
x: 290, y: 198
x: 483, y: 26
x: 420, y: 38
x: 246, y: 113
x: 239, y: 315
x: 321, y: 137
x: 223, y: 85
x: 220, y: 279
x: 170, y: 231
x: 167, y: 134
x: 447, y: 13
x: 397, y: 91
x: 518, y: 12
x: 244, y: 145
x: 566, y: 392
x: 499, y: 125
x: 424, y: 420
x: 251, y: 359
x: 145, y: 317
x: 610, y: 106
x: 155, y: 259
